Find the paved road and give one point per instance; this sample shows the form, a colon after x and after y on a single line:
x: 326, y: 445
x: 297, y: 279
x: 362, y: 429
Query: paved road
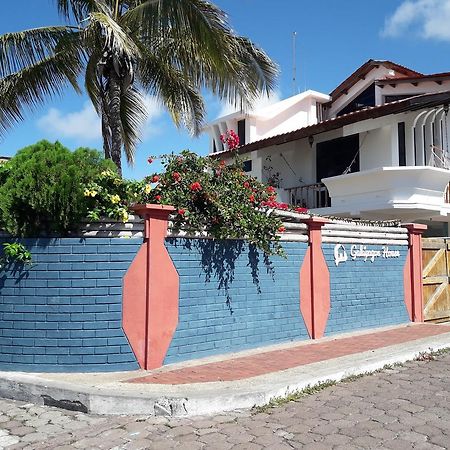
x: 402, y: 408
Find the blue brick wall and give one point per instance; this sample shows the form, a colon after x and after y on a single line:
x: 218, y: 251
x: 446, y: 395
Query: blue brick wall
x: 65, y: 312
x: 366, y: 294
x: 232, y: 298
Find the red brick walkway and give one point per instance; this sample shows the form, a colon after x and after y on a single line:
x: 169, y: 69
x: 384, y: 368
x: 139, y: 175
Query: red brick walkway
x: 273, y: 361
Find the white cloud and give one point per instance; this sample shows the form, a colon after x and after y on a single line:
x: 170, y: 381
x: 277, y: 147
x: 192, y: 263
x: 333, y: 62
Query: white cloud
x: 259, y: 103
x: 154, y: 111
x: 84, y: 125
x: 428, y: 19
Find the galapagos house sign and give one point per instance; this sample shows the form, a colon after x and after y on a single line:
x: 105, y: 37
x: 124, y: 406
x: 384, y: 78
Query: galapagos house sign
x: 361, y: 252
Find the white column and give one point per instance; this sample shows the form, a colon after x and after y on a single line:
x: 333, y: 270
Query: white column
x: 394, y: 145
x: 409, y: 143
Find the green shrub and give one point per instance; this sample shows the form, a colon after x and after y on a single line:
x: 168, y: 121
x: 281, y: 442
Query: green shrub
x: 42, y: 189
x: 109, y: 195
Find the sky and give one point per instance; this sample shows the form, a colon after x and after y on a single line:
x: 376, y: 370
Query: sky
x: 333, y: 38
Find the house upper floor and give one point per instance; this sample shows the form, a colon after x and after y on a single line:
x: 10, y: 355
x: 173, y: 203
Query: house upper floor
x: 378, y: 148
x: 375, y: 83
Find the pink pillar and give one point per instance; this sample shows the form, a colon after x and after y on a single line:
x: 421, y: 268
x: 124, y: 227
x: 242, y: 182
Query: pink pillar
x: 150, y: 295
x: 412, y: 273
x: 315, y: 282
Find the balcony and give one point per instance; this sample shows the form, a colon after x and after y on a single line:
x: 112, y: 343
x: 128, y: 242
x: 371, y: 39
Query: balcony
x: 311, y: 196
x: 407, y: 193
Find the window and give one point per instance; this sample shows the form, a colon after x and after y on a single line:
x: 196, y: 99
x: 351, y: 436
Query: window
x: 401, y: 144
x: 335, y: 157
x: 241, y: 132
x: 363, y: 100
x: 248, y: 165
x: 396, y: 98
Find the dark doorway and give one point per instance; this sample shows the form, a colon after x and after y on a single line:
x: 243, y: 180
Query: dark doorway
x: 335, y: 157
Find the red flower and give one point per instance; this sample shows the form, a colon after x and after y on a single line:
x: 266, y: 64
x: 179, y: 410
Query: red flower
x: 281, y: 229
x: 155, y: 178
x: 150, y: 160
x: 181, y: 212
x: 176, y: 176
x: 157, y: 198
x: 222, y: 163
x: 246, y: 184
x: 196, y: 186
x: 301, y: 210
x: 252, y: 198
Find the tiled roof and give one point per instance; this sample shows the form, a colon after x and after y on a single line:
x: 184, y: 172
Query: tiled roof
x: 409, y: 104
x: 362, y: 71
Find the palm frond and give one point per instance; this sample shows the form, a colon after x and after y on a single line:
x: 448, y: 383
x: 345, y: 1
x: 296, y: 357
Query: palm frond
x: 116, y: 40
x: 181, y: 98
x: 29, y: 87
x: 133, y: 115
x: 79, y: 10
x: 25, y: 48
x: 195, y: 37
x: 92, y: 81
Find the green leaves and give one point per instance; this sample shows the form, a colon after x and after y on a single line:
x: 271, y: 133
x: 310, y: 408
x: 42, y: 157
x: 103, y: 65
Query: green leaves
x: 42, y: 190
x: 217, y: 198
x: 14, y: 253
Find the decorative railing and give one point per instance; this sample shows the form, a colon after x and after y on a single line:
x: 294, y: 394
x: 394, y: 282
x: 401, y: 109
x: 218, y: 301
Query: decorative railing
x: 310, y: 196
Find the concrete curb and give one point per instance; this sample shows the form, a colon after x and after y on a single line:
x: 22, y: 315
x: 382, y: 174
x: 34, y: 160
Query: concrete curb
x: 115, y: 397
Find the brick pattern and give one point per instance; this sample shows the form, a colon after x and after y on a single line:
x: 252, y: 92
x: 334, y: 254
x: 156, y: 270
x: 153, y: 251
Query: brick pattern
x: 231, y: 298
x: 277, y: 360
x: 65, y: 312
x: 366, y: 294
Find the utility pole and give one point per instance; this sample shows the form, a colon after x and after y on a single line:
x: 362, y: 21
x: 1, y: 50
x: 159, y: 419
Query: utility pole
x: 294, y: 63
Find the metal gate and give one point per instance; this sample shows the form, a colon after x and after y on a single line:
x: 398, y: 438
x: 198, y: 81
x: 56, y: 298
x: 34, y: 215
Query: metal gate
x: 436, y: 273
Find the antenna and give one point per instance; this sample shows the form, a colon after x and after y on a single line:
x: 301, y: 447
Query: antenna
x: 294, y: 64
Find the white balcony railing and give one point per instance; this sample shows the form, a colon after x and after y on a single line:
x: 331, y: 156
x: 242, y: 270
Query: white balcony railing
x: 309, y: 196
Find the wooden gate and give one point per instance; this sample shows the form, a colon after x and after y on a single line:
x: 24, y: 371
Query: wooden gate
x: 436, y: 273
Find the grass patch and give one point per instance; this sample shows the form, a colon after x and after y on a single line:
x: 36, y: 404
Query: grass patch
x: 314, y: 389
x: 294, y: 396
x: 431, y: 354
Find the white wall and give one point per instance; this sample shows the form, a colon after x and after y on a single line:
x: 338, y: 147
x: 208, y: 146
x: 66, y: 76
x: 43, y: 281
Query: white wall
x: 299, y: 156
x: 376, y: 148
x: 356, y: 89
x: 423, y: 87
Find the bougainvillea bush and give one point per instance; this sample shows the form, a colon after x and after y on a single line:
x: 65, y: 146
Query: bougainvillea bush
x: 215, y: 197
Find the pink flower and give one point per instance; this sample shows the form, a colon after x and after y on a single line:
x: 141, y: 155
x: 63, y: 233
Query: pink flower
x: 155, y: 178
x: 176, y: 176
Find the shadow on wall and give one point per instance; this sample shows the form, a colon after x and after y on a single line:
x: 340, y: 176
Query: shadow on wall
x: 219, y: 261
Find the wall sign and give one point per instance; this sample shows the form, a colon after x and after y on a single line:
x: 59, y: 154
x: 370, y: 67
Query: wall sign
x: 362, y: 252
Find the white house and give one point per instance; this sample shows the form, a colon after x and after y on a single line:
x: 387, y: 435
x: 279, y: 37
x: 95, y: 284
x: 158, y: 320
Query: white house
x: 377, y: 147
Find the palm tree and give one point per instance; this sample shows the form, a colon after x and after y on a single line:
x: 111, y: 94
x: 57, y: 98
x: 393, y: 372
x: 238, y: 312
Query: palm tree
x: 125, y: 49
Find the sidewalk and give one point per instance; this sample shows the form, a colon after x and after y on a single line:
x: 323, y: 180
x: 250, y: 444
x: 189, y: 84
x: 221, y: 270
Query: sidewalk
x: 216, y: 384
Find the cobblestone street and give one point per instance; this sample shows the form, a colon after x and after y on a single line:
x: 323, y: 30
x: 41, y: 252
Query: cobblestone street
x: 400, y: 408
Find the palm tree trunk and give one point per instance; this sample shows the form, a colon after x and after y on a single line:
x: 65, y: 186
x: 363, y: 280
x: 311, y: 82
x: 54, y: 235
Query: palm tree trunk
x: 106, y: 133
x: 113, y: 114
